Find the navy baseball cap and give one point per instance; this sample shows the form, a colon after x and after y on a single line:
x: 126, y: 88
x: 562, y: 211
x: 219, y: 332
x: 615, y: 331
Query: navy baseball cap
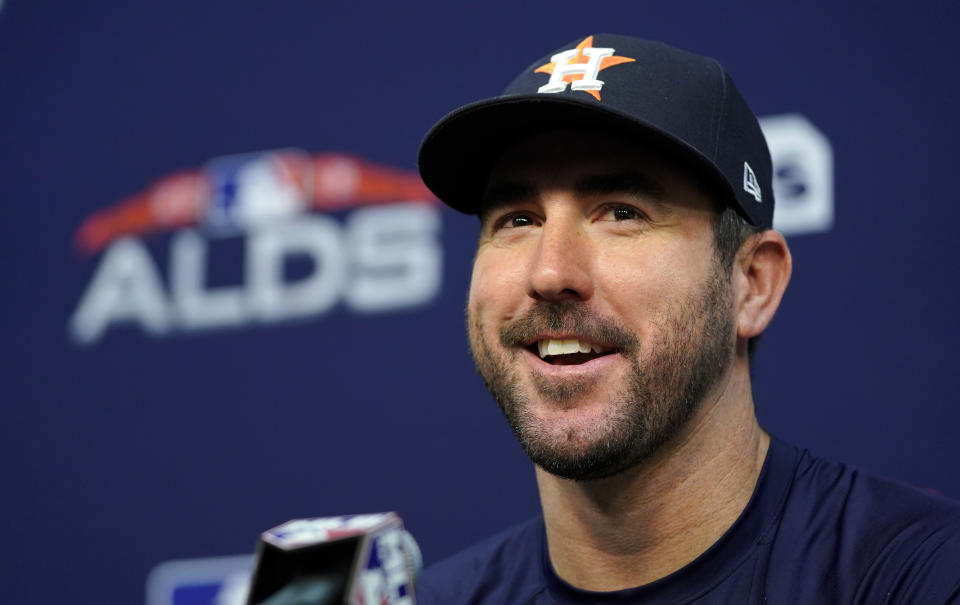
x: 683, y: 104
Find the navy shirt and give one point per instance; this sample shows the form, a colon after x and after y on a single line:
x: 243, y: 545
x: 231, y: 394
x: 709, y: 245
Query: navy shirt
x: 813, y: 532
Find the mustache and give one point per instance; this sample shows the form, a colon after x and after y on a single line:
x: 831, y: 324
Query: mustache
x: 571, y: 317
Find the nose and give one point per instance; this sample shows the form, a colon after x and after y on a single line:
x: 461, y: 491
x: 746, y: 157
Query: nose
x: 560, y: 268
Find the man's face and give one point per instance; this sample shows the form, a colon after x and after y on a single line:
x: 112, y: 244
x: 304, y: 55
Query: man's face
x: 598, y: 315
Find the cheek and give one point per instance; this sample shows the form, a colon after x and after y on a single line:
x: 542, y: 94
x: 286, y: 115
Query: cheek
x: 643, y: 290
x: 477, y: 294
x: 481, y: 303
x: 637, y: 284
x: 496, y: 285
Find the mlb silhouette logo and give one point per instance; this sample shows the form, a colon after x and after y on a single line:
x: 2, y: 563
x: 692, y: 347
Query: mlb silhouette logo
x: 210, y: 581
x: 249, y: 189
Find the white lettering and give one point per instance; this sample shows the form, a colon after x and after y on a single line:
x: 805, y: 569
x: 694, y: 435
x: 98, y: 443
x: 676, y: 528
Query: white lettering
x: 198, y: 306
x: 398, y: 261
x: 316, y: 237
x: 125, y: 288
x: 383, y: 258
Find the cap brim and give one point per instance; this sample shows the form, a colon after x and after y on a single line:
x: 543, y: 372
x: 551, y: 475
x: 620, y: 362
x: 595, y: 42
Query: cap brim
x: 459, y: 152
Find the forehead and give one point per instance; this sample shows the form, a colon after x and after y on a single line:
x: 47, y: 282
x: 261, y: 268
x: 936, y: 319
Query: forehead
x: 564, y: 159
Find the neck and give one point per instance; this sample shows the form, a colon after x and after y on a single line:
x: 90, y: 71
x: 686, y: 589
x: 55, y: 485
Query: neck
x: 645, y: 523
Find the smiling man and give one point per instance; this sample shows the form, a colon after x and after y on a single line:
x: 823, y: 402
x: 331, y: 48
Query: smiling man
x: 626, y: 267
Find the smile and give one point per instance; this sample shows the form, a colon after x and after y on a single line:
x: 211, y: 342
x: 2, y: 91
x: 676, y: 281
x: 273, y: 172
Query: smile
x: 568, y: 351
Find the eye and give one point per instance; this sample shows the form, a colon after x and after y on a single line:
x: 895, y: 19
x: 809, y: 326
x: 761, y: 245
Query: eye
x: 519, y: 221
x: 514, y: 221
x: 621, y: 212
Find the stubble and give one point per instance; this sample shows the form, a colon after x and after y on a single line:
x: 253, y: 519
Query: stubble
x: 657, y: 398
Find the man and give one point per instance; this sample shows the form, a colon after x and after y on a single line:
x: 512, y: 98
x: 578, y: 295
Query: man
x: 626, y: 267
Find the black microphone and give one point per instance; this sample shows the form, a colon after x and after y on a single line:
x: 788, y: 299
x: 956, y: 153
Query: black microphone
x: 347, y: 560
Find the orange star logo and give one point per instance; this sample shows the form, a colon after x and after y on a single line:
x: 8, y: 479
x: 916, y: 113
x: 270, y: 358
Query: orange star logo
x: 581, y: 58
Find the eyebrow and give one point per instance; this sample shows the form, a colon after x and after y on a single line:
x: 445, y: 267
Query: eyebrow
x: 629, y: 182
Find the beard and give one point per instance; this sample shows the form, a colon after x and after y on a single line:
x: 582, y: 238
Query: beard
x: 662, y: 391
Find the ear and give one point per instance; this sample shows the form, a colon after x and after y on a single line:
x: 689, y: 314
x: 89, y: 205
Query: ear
x: 761, y: 273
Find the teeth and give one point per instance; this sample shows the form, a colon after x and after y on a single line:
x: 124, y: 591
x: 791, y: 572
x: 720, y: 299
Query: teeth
x: 563, y: 347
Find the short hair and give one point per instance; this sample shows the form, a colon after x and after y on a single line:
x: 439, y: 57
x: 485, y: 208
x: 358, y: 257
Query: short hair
x: 730, y: 231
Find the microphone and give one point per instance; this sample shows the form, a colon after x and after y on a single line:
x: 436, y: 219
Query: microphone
x: 347, y: 560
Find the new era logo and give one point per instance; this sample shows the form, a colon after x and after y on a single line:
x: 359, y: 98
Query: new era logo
x: 750, y: 184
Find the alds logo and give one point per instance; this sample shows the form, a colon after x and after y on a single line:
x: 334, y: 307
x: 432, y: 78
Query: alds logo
x: 579, y: 67
x: 359, y: 234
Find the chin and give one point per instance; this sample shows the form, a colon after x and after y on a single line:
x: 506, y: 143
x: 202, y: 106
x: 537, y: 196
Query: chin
x: 589, y: 441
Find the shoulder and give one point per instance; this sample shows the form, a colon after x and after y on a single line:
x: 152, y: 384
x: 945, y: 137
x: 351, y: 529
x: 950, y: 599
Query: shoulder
x: 878, y: 537
x: 840, y: 493
x: 504, y: 568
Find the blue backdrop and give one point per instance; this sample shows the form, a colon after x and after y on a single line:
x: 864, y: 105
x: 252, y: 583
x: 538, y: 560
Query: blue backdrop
x: 202, y: 340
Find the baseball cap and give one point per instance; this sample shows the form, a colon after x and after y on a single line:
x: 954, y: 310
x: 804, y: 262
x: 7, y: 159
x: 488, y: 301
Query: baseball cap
x: 682, y: 104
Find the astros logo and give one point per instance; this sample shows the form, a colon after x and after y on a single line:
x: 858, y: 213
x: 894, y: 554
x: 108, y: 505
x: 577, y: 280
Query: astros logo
x: 579, y: 67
